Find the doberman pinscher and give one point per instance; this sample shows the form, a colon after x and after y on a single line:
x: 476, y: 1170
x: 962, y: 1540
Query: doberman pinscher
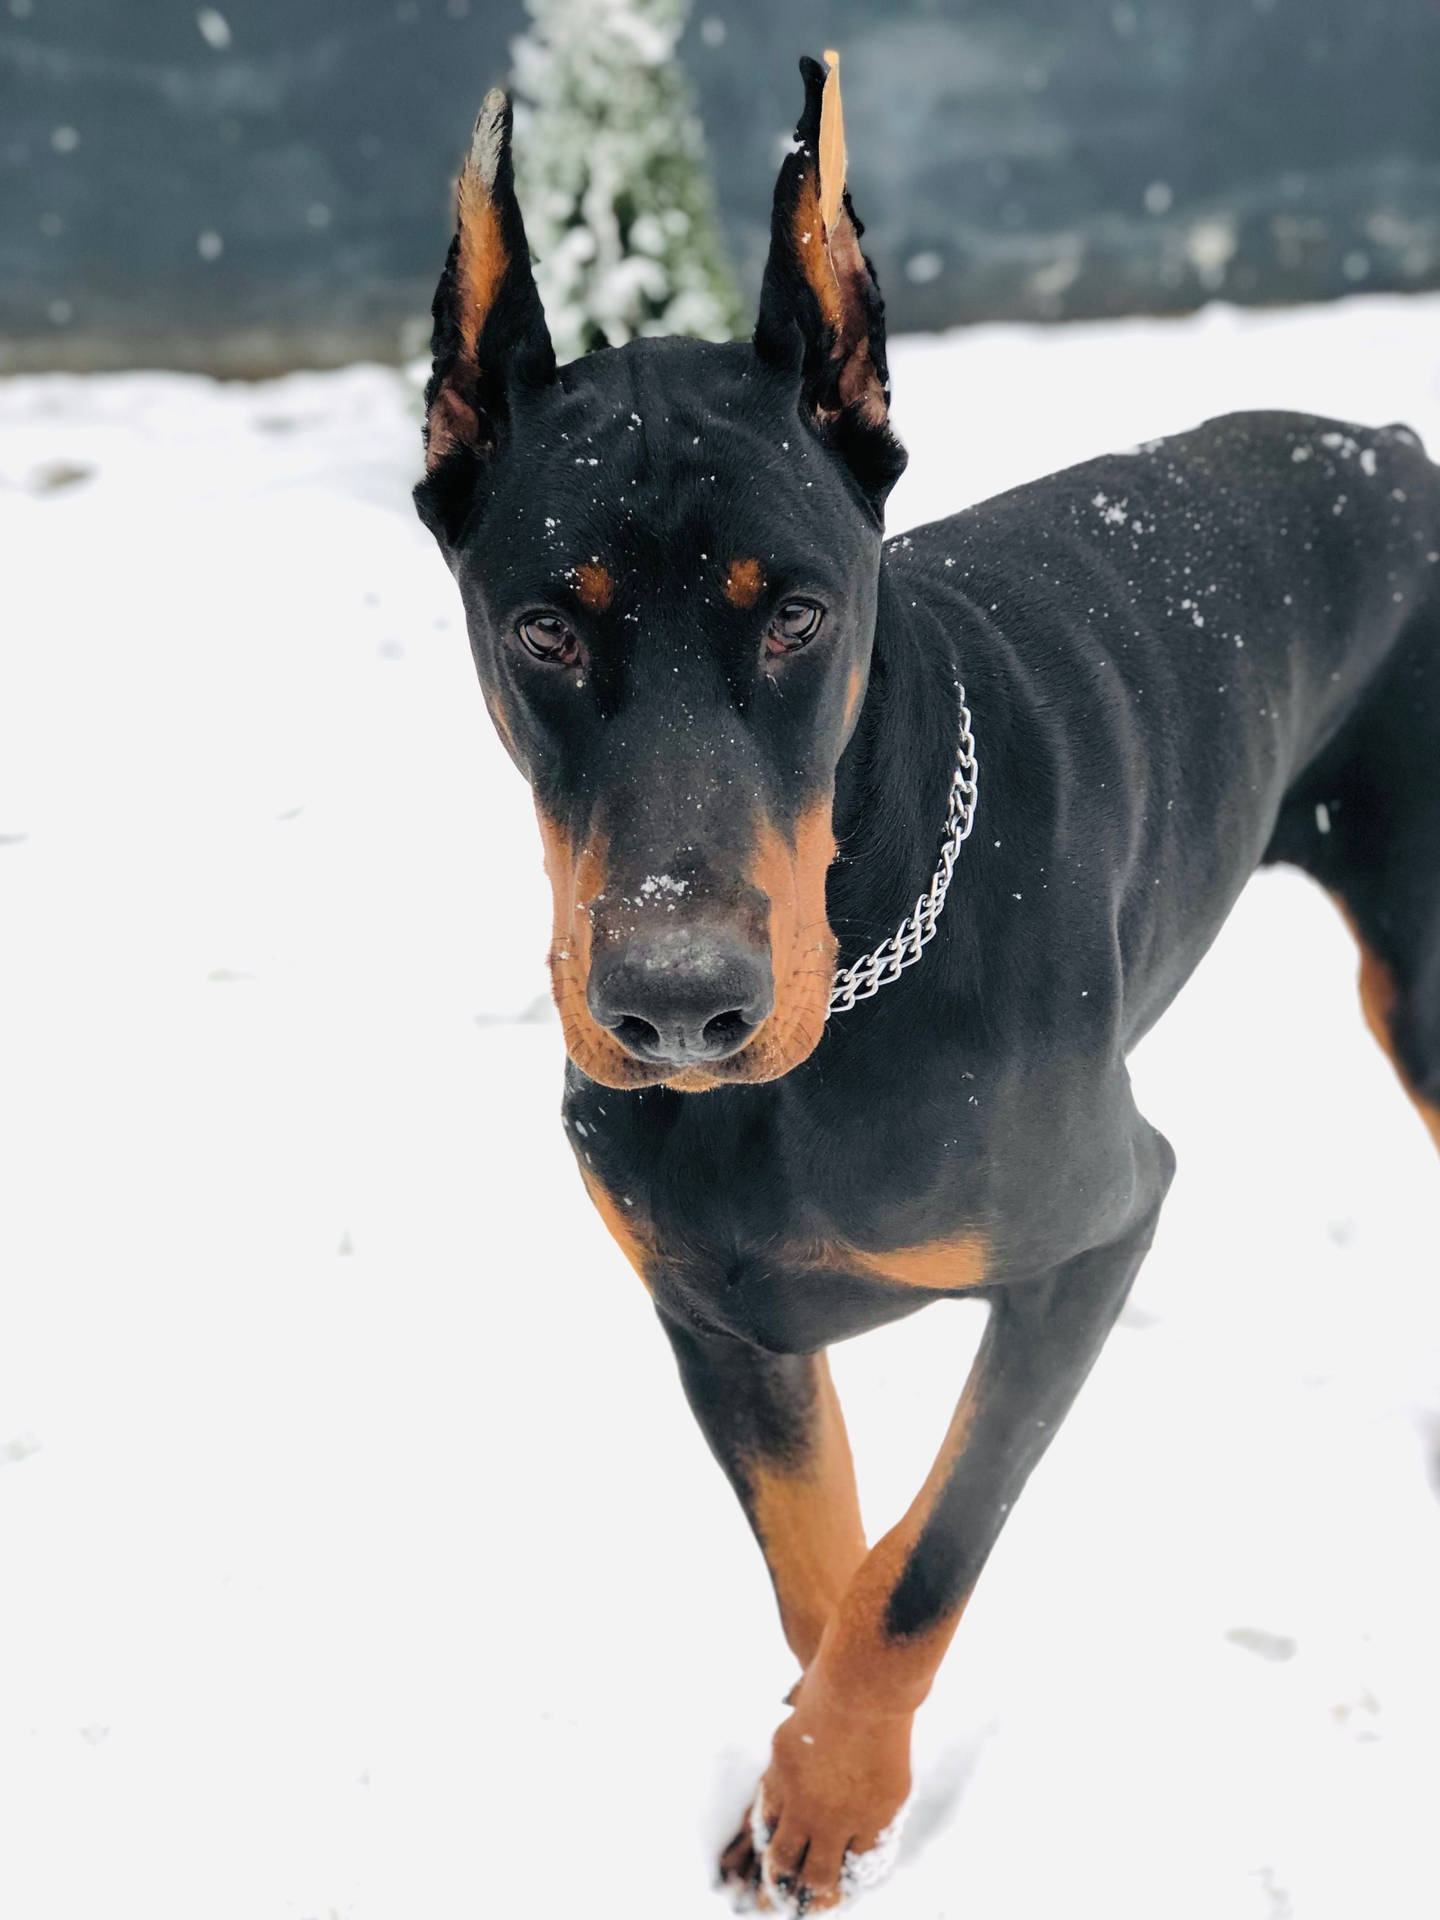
x: 741, y: 712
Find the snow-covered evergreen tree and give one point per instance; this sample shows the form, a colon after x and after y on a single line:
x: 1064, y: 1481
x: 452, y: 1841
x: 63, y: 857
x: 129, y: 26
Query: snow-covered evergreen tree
x: 610, y: 167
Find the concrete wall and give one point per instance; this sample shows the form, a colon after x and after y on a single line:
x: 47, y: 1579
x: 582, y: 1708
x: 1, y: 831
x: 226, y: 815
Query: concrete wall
x: 266, y: 183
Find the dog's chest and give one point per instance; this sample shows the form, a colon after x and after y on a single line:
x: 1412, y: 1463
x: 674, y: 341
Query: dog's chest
x: 770, y: 1229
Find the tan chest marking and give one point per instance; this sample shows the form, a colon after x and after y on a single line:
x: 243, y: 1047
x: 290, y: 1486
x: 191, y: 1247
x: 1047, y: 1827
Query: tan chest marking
x: 942, y: 1266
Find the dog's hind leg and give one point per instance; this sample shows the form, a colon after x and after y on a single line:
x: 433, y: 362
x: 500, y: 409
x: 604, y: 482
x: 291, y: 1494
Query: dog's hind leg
x: 1365, y: 822
x: 1402, y: 1010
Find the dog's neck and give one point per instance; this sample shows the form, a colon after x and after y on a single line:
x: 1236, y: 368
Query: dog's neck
x: 893, y: 782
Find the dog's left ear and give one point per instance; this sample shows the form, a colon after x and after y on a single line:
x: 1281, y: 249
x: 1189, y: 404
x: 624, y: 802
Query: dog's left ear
x: 490, y: 337
x: 820, y: 303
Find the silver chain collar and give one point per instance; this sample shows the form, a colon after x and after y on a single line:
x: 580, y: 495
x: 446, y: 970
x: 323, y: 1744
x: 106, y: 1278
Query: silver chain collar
x: 905, y: 946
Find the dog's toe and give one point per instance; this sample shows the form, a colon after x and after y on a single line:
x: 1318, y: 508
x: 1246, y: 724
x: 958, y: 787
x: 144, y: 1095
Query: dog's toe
x: 740, y: 1872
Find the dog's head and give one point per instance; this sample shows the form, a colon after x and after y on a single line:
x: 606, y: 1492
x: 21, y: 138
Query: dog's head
x: 668, y: 555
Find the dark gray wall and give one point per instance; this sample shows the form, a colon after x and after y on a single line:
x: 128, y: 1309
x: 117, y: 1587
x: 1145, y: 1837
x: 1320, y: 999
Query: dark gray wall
x: 1003, y: 150
x: 316, y: 148
x: 283, y: 199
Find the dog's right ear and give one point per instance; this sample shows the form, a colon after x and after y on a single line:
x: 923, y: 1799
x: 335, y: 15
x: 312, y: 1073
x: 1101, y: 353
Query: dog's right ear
x: 490, y: 335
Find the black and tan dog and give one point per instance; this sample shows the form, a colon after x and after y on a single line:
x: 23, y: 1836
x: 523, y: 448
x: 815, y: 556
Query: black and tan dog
x: 740, y: 715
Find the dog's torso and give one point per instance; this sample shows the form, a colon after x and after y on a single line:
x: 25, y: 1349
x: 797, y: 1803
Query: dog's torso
x: 1155, y: 646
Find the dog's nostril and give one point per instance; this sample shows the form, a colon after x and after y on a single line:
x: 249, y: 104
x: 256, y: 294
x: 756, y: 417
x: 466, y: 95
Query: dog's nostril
x: 682, y: 995
x: 636, y: 1034
x: 727, y: 1030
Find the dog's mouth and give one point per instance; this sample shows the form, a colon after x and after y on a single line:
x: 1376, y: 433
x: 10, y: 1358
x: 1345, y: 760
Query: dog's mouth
x: 685, y: 997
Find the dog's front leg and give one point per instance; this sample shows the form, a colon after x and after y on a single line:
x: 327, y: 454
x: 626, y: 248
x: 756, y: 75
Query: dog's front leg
x: 774, y: 1424
x: 826, y: 1817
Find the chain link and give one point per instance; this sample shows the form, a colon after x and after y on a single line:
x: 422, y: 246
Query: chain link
x: 905, y: 946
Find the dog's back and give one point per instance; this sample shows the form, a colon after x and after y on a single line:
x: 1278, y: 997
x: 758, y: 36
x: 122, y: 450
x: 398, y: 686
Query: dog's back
x: 1218, y: 648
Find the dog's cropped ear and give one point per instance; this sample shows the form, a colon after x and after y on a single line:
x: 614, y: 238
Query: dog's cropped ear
x: 490, y: 336
x: 820, y: 305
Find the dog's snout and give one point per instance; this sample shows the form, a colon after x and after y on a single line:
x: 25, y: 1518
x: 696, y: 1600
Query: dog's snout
x: 681, y: 997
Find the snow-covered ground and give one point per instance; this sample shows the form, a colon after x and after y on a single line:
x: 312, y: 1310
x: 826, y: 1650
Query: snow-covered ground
x: 360, y: 1559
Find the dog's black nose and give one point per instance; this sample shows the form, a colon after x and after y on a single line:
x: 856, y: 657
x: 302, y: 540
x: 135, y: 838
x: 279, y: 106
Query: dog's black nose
x: 681, y: 997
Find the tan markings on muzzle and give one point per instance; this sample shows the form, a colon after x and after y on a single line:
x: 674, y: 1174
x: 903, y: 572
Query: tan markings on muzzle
x: 791, y: 875
x: 744, y: 582
x: 594, y: 586
x: 577, y: 877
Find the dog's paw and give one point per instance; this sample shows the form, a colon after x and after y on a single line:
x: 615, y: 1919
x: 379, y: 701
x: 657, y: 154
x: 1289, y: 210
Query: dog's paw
x: 825, y: 1823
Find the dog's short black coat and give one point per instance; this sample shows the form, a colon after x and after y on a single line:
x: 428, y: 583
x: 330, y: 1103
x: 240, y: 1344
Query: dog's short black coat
x: 1167, y: 654
x: 1183, y: 661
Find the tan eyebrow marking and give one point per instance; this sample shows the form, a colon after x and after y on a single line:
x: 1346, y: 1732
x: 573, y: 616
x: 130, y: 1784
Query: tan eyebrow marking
x: 743, y: 582
x: 594, y: 586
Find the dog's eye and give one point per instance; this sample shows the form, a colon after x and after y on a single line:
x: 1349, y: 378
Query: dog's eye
x: 793, y: 625
x: 548, y: 638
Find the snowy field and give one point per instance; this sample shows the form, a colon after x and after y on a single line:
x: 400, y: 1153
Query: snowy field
x: 360, y: 1559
